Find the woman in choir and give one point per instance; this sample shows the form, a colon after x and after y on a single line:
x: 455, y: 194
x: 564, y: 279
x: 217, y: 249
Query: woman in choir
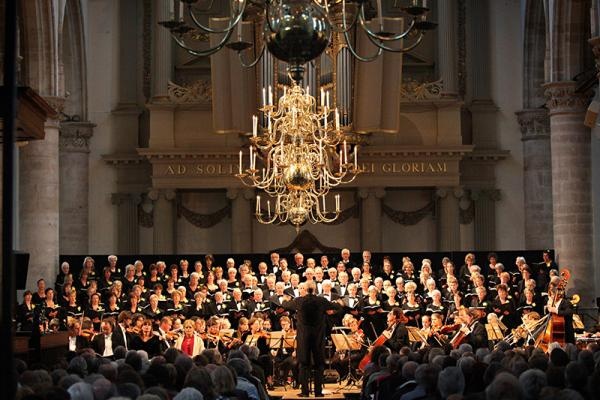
x: 153, y: 278
x: 73, y: 309
x: 105, y: 281
x: 408, y: 271
x: 455, y: 306
x: 40, y: 295
x: 364, y: 285
x: 411, y: 308
x: 153, y: 311
x: 175, y: 307
x: 95, y: 311
x: 218, y: 270
x: 372, y: 311
x: 117, y: 290
x: 112, y: 308
x: 133, y: 305
x: 201, y: 307
x: 210, y: 283
x: 60, y: 278
x: 504, y: 308
x: 189, y: 342
x: 436, y: 306
x: 146, y: 340
x: 425, y: 274
x: 430, y: 287
x: 83, y: 283
x: 199, y: 271
x: 392, y: 299
x: 387, y: 271
x: 464, y: 270
x: 63, y: 299
x: 89, y: 266
x: 366, y: 271
x: 129, y: 279
x: 193, y: 285
x: 25, y: 312
x: 139, y: 269
x: 529, y: 304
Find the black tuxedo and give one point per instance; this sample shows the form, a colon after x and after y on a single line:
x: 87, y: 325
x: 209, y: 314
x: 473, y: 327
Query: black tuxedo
x: 98, y: 343
x: 311, y: 325
x: 565, y: 309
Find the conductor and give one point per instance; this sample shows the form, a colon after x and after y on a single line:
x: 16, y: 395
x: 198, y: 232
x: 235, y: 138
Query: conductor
x: 311, y: 313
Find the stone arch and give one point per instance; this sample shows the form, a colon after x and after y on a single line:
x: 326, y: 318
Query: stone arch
x: 73, y: 62
x: 39, y: 44
x: 534, y: 54
x: 568, y: 31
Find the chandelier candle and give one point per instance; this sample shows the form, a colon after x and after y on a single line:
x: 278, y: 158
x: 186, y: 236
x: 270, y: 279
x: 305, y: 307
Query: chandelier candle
x: 298, y: 158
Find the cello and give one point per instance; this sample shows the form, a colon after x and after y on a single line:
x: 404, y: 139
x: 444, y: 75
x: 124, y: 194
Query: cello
x: 555, y: 327
x: 380, y: 341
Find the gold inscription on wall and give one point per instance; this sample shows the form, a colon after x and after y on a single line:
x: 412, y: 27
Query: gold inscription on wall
x: 391, y: 168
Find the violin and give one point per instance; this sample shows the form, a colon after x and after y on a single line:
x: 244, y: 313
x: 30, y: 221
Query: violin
x: 87, y: 333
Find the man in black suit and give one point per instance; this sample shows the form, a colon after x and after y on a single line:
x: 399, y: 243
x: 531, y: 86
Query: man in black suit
x: 311, y: 312
x: 107, y: 341
x: 564, y: 308
x: 396, y: 333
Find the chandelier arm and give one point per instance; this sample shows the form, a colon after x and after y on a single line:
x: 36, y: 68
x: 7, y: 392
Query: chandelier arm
x: 203, y: 53
x: 402, y: 50
x: 230, y: 26
x: 394, y: 38
x: 253, y: 63
x: 359, y: 57
x: 345, y: 27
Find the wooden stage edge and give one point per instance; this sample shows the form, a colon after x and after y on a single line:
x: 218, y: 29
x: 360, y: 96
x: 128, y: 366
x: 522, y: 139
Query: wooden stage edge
x: 331, y: 391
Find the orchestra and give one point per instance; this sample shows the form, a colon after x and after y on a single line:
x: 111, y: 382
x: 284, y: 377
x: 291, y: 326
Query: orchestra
x: 201, y: 309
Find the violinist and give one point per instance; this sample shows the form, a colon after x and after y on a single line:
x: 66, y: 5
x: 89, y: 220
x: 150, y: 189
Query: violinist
x: 135, y: 327
x: 107, y: 340
x: 165, y: 335
x: 437, y: 334
x: 213, y: 340
x: 340, y: 361
x: 76, y: 340
x: 122, y: 328
x: 285, y: 356
x: 189, y: 343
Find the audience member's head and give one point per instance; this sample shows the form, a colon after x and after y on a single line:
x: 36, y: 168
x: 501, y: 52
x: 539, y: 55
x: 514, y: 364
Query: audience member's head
x: 451, y: 381
x: 505, y: 386
x: 532, y: 382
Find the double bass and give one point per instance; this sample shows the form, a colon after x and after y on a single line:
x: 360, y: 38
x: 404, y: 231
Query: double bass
x: 555, y: 327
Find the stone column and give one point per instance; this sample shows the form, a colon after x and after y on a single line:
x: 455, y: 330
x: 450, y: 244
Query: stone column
x: 537, y: 178
x: 371, y: 217
x: 163, y: 50
x: 39, y: 205
x: 164, y: 220
x: 485, y: 217
x: 447, y: 46
x: 74, y: 186
x: 128, y: 235
x: 241, y: 219
x: 571, y: 186
x: 448, y: 218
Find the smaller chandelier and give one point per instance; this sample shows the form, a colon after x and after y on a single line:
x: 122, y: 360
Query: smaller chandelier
x: 303, y: 154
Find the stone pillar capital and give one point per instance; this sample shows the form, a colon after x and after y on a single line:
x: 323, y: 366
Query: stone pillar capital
x: 167, y: 194
x: 376, y: 192
x: 443, y: 192
x: 564, y: 99
x: 75, y: 136
x: 534, y: 123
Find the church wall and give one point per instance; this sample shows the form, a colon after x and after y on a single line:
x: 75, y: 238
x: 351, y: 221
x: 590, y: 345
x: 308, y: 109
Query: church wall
x: 506, y: 86
x: 102, y: 33
x: 191, y: 239
x: 399, y: 238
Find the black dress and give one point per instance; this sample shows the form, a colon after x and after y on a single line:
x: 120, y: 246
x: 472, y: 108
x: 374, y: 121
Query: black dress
x: 25, y: 316
x: 150, y: 346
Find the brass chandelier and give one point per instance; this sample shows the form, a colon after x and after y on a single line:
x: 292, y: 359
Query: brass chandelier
x: 296, y: 31
x: 303, y: 155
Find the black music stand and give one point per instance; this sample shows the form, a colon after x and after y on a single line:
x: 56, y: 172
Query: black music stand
x: 345, y: 344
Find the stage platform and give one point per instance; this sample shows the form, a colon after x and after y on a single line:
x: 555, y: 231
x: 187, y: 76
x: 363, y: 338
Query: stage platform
x: 331, y: 391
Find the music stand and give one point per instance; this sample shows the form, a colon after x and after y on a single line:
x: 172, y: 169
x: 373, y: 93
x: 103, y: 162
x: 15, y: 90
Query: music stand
x: 415, y: 335
x: 493, y: 332
x: 276, y: 343
x: 343, y: 343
